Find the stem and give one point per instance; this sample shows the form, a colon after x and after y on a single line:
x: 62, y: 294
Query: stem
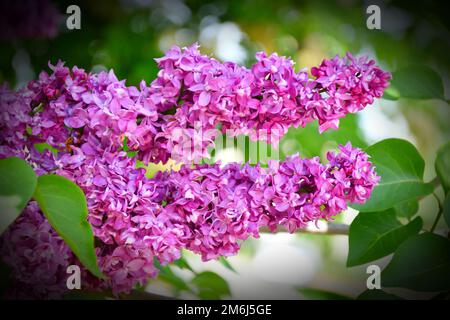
x: 435, y: 182
x: 439, y: 213
x: 332, y: 229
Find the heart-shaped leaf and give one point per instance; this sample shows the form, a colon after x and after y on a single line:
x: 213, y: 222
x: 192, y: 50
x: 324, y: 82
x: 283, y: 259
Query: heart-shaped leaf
x: 373, y: 235
x: 17, y: 184
x: 210, y: 285
x: 417, y: 82
x: 407, y: 209
x: 64, y: 205
x: 420, y: 263
x: 401, y: 168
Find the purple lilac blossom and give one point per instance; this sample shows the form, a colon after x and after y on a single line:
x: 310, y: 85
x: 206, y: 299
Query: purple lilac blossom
x: 37, y: 255
x: 222, y: 206
x: 269, y: 96
x: 207, y: 209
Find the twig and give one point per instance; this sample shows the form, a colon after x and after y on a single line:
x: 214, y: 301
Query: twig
x: 435, y: 182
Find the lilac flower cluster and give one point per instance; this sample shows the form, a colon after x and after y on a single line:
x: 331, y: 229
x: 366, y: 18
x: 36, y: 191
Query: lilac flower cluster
x: 208, y: 209
x: 38, y: 255
x: 224, y: 205
x: 123, y: 204
x: 350, y: 84
x: 269, y: 96
x: 88, y: 119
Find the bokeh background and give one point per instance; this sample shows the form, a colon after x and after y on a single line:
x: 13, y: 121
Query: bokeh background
x: 126, y: 35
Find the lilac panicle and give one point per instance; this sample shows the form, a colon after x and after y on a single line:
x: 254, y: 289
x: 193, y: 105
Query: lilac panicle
x: 223, y: 206
x: 88, y: 119
x: 269, y: 96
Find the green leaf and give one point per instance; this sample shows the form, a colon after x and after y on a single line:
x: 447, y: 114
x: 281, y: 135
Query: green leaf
x: 407, y: 209
x: 373, y: 235
x: 223, y: 261
x: 166, y: 275
x: 391, y: 93
x: 183, y: 264
x: 210, y: 285
x: 41, y: 147
x: 377, y: 295
x: 418, y: 82
x: 64, y: 205
x: 401, y: 168
x: 446, y: 208
x: 151, y: 168
x: 125, y: 148
x: 442, y: 166
x: 17, y: 184
x: 318, y: 294
x: 421, y: 263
